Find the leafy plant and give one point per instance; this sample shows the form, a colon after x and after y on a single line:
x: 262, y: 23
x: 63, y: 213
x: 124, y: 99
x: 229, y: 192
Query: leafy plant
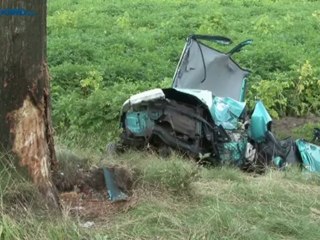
x: 306, y: 99
x: 273, y: 94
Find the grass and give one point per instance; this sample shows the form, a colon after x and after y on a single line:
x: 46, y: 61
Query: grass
x: 22, y: 211
x: 176, y: 199
x: 223, y: 203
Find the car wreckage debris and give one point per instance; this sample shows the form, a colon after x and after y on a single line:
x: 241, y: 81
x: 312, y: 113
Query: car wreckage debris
x: 204, y: 114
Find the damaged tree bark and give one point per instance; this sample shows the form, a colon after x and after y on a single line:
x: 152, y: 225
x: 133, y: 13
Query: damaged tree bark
x: 25, y: 120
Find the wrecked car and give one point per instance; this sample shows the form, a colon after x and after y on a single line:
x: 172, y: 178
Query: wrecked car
x: 203, y: 113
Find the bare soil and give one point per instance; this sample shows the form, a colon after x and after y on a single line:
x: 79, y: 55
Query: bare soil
x: 286, y: 125
x: 84, y: 195
x: 93, y: 205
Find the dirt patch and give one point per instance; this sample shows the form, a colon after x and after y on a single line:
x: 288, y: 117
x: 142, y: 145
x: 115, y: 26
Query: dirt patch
x: 93, y: 205
x: 92, y: 179
x: 286, y: 125
x: 84, y: 194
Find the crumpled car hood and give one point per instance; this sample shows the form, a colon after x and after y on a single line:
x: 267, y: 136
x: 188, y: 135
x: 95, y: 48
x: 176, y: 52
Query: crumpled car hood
x: 225, y: 111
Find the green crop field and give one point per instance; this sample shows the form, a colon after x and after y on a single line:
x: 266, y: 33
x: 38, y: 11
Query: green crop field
x: 102, y: 51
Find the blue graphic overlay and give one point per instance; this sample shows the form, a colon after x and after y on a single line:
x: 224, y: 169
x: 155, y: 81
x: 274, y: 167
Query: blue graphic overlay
x: 16, y: 12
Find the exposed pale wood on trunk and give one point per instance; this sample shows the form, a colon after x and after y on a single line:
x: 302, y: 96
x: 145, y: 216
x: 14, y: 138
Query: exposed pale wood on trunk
x: 25, y: 119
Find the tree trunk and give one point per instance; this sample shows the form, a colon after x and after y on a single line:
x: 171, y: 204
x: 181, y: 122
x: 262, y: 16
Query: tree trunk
x: 25, y: 120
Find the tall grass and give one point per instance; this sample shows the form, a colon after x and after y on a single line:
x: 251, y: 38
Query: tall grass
x: 177, y: 199
x: 23, y: 212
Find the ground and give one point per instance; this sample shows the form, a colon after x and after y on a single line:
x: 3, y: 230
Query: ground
x: 294, y: 126
x: 172, y: 198
x: 90, y: 201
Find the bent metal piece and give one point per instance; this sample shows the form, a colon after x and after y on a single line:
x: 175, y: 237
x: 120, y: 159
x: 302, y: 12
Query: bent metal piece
x: 115, y: 194
x: 310, y: 154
